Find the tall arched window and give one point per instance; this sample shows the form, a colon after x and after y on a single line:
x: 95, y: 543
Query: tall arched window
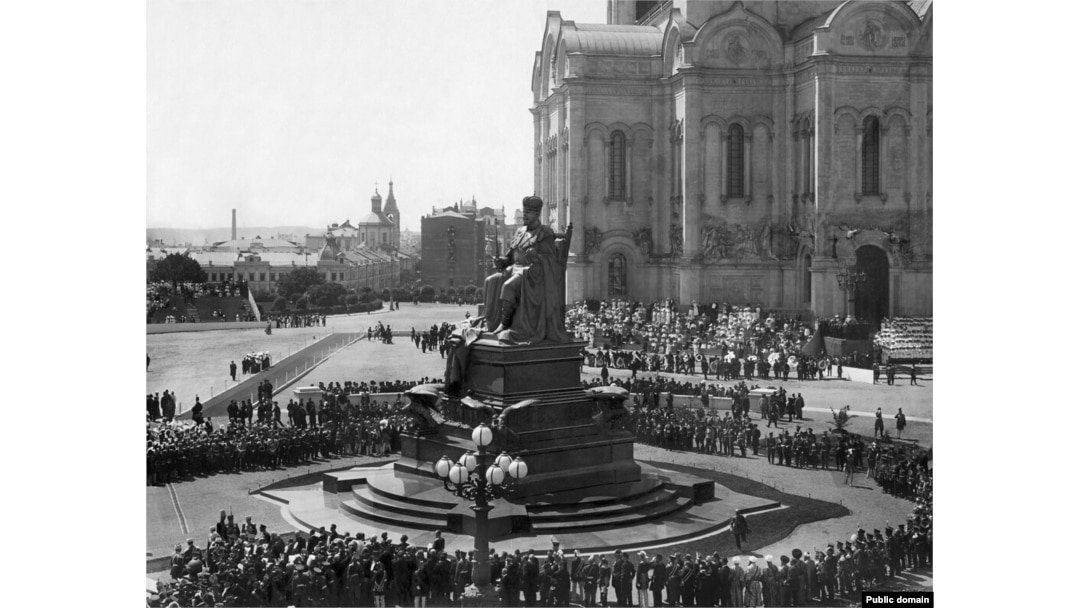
x: 735, y: 182
x: 871, y: 156
x: 617, y: 167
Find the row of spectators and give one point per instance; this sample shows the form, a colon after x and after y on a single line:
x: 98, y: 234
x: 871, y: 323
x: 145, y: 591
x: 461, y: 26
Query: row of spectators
x: 662, y: 329
x: 906, y: 339
x: 297, y: 320
x: 728, y: 365
x: 176, y: 451
x: 349, y: 387
x: 246, y: 565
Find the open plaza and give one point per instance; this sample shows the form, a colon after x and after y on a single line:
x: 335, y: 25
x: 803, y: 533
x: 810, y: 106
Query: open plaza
x: 813, y: 507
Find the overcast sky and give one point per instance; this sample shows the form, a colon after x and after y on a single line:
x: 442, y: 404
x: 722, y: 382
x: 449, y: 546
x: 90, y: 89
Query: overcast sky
x: 290, y: 111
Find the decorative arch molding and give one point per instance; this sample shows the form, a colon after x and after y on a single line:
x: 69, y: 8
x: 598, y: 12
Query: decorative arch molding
x: 678, y: 34
x: 641, y: 133
x: 613, y: 247
x: 893, y: 111
x: 877, y: 29
x: 560, y: 62
x: 737, y: 39
x: 597, y: 128
x: 621, y: 241
x: 545, y: 66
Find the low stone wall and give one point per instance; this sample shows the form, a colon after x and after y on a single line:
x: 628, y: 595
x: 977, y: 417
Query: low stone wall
x: 168, y: 328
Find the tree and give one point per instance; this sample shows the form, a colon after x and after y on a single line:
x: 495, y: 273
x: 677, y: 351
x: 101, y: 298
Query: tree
x: 280, y: 304
x: 326, y: 294
x: 176, y: 268
x: 298, y: 281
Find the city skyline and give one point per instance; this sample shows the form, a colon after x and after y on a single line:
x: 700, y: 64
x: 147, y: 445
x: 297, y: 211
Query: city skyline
x: 295, y: 117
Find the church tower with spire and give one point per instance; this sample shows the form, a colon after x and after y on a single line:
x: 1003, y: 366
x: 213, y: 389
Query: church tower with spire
x: 390, y: 211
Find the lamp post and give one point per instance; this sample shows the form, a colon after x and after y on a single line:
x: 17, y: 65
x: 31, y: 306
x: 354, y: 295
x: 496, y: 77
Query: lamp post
x: 849, y: 280
x: 481, y: 477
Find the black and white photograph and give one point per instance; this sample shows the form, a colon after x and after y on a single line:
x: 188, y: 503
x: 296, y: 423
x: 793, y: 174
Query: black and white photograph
x: 539, y: 303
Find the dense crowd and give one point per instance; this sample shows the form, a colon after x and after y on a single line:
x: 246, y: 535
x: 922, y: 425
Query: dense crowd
x: 336, y: 427
x: 661, y: 328
x: 906, y: 339
x: 246, y: 565
x: 160, y: 294
x: 297, y: 320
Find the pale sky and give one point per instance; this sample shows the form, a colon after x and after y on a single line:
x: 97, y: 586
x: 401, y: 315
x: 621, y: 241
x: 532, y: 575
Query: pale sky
x: 291, y: 110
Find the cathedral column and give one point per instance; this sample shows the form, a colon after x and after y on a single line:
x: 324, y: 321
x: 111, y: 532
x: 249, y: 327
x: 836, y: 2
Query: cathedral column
x: 577, y: 192
x: 690, y: 279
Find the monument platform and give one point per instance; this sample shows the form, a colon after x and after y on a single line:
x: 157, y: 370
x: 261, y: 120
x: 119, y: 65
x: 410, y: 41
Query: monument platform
x: 656, y: 510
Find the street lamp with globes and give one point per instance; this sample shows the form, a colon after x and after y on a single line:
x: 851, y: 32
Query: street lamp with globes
x: 475, y: 478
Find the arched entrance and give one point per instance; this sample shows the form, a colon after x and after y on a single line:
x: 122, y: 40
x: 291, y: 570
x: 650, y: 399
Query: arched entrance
x: 872, y: 297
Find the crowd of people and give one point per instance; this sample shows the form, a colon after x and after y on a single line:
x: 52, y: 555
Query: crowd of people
x: 382, y: 333
x: 255, y: 437
x: 252, y: 363
x: 246, y: 565
x: 162, y: 294
x: 433, y: 338
x: 910, y: 339
x: 661, y: 328
x: 295, y: 319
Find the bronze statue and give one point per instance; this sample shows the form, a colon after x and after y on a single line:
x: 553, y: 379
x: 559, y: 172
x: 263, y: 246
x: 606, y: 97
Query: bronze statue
x: 523, y: 301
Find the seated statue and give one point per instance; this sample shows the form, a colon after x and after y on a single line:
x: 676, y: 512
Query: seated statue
x: 523, y: 301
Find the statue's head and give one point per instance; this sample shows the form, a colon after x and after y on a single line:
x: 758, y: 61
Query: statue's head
x: 531, y: 207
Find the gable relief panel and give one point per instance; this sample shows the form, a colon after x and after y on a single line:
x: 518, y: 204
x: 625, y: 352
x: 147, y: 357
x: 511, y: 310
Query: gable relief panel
x: 737, y: 47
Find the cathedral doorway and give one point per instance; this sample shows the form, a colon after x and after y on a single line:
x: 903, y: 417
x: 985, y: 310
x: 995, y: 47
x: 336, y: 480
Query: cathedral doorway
x: 872, y: 297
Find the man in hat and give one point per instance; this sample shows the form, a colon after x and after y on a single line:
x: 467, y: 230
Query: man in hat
x: 641, y: 580
x: 739, y: 528
x: 753, y: 584
x: 525, y: 297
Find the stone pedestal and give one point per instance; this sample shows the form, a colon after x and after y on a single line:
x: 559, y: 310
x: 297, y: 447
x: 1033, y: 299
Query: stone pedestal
x: 565, y: 437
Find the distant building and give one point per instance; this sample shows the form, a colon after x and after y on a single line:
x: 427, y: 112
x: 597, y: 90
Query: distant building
x: 456, y: 244
x: 366, y: 254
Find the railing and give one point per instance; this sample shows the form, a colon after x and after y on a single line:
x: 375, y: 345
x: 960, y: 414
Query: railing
x: 283, y: 373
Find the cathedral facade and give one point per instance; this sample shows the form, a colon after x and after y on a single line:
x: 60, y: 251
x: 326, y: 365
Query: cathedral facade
x: 751, y: 153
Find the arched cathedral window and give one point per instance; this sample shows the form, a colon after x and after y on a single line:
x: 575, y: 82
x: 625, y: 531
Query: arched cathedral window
x: 617, y: 167
x: 871, y: 156
x: 736, y: 185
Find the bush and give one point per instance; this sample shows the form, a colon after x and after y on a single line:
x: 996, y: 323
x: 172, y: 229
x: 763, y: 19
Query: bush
x: 302, y: 303
x: 352, y: 300
x: 366, y: 297
x: 470, y: 290
x: 281, y: 304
